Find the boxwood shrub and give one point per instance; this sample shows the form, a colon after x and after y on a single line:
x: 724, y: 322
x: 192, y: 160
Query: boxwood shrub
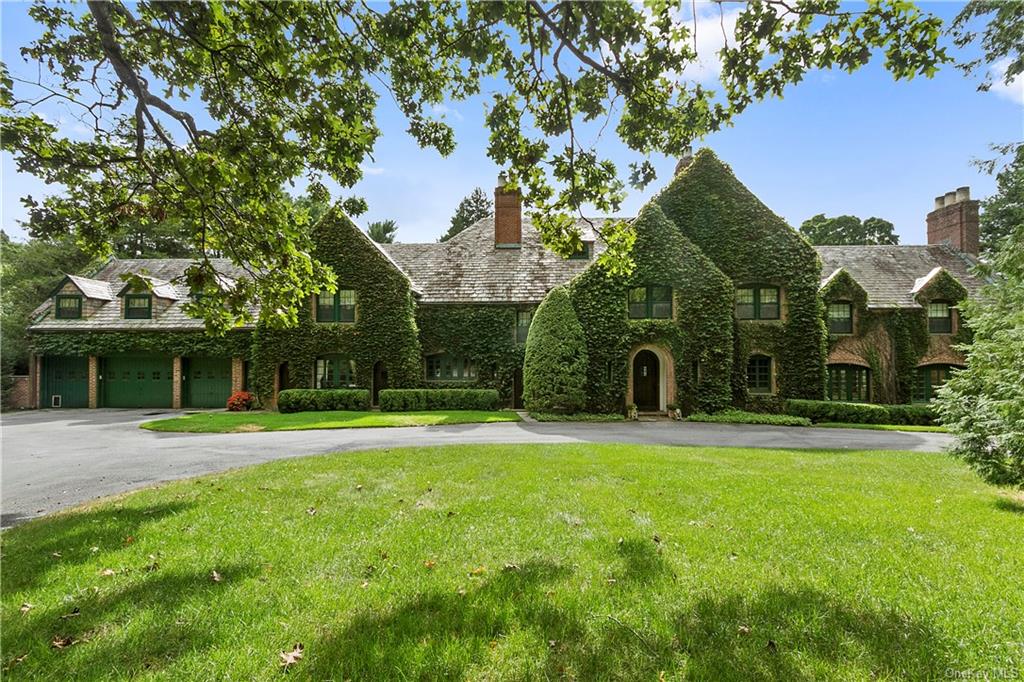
x: 323, y: 399
x: 742, y: 417
x: 411, y: 399
x: 862, y: 413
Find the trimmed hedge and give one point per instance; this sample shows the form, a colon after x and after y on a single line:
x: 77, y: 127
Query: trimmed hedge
x: 414, y: 399
x: 323, y: 399
x: 741, y: 417
x: 862, y: 413
x: 555, y: 366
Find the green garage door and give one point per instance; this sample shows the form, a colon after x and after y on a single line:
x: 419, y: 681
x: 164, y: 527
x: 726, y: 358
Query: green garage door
x: 208, y: 382
x: 137, y: 381
x: 64, y: 382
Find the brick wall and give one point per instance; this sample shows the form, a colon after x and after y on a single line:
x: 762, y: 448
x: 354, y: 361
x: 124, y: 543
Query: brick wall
x: 508, y: 216
x: 20, y: 396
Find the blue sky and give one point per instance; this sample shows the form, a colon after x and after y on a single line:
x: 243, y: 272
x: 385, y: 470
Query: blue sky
x: 838, y: 143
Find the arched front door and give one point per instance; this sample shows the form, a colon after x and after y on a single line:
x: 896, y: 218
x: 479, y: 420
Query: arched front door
x: 646, y: 389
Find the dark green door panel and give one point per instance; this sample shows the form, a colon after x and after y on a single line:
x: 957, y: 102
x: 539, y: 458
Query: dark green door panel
x: 207, y: 382
x: 137, y: 381
x: 66, y: 377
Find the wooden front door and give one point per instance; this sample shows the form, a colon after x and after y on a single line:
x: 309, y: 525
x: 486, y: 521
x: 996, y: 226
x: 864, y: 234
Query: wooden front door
x: 380, y: 381
x: 646, y: 389
x: 517, y: 389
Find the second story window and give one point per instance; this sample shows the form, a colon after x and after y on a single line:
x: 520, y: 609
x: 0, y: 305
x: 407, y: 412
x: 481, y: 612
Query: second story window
x: 138, y: 306
x: 940, y: 318
x: 69, y: 307
x: 840, y: 318
x: 523, y: 320
x: 337, y: 307
x: 582, y: 253
x: 757, y: 303
x: 651, y: 302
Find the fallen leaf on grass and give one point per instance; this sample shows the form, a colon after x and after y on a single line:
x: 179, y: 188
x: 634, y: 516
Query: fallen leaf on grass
x: 744, y: 629
x: 772, y: 648
x: 657, y: 539
x: 733, y: 556
x: 129, y: 540
x: 290, y: 658
x: 511, y: 567
x: 56, y: 555
x: 108, y: 572
x: 311, y: 511
x: 215, y: 577
x: 365, y: 584
x: 15, y: 661
x: 62, y: 641
x: 479, y: 570
x: 74, y: 612
x: 359, y: 487
x: 26, y: 607
x: 428, y: 564
x: 94, y: 549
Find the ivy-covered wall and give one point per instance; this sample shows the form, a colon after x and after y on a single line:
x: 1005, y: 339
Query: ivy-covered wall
x: 485, y: 333
x: 752, y: 245
x: 384, y: 330
x: 700, y: 331
x: 892, y: 343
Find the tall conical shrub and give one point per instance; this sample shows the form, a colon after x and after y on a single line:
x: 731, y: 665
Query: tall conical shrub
x: 555, y: 370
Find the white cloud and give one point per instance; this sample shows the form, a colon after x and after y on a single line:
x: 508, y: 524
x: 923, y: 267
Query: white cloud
x: 372, y: 170
x: 1013, y: 92
x: 714, y: 25
x: 445, y: 111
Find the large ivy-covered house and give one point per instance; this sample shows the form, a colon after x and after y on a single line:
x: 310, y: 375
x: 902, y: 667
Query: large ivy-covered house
x: 726, y: 304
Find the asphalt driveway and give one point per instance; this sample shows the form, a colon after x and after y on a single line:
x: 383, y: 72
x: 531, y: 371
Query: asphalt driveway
x: 55, y: 459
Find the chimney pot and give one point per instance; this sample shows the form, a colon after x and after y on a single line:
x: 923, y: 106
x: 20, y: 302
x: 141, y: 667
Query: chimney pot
x: 950, y: 198
x: 940, y: 201
x: 685, y: 160
x: 963, y: 193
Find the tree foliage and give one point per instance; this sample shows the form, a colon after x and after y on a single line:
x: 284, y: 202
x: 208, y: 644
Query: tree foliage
x: 983, y: 405
x: 1003, y: 211
x: 555, y: 368
x: 382, y: 231
x: 473, y: 207
x: 204, y: 111
x: 1002, y: 38
x: 848, y: 230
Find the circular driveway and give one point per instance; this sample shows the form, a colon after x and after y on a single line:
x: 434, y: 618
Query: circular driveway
x: 55, y: 459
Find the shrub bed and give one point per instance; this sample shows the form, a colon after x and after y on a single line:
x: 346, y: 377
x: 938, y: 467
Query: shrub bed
x: 412, y: 399
x: 323, y: 399
x: 862, y: 413
x: 578, y: 417
x: 741, y: 417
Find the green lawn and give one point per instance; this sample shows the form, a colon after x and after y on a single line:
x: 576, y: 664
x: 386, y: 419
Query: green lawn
x: 530, y: 562
x: 237, y: 422
x: 884, y: 427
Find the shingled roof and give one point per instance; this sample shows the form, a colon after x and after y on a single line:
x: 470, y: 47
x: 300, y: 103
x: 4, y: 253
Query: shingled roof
x: 162, y: 271
x: 890, y: 274
x: 469, y: 269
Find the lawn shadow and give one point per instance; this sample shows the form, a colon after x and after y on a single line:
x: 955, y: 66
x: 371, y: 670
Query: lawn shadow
x: 31, y: 550
x: 793, y: 634
x: 149, y: 627
x: 440, y: 635
x: 1007, y: 504
x: 643, y: 562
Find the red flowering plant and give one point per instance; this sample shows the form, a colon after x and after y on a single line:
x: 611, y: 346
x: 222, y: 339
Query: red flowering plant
x: 241, y: 401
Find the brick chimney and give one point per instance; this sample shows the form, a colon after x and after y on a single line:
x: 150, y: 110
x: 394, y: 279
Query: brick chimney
x: 508, y: 216
x: 954, y: 221
x: 685, y: 160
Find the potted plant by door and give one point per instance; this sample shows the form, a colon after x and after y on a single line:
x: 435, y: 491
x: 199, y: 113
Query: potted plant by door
x: 632, y: 413
x: 675, y: 412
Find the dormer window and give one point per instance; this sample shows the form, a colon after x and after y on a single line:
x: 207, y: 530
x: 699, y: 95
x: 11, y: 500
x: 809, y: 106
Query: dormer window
x: 652, y: 302
x: 138, y: 306
x: 69, y: 307
x: 582, y: 253
x: 337, y: 307
x: 940, y: 317
x: 840, y: 318
x: 757, y: 302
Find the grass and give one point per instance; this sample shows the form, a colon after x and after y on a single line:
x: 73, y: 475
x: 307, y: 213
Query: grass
x: 238, y: 422
x: 618, y: 562
x: 741, y: 417
x: 577, y: 417
x: 885, y: 427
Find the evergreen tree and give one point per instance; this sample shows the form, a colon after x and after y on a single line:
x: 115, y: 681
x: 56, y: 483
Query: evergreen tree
x: 382, y: 231
x: 1004, y: 210
x: 555, y: 369
x: 472, y: 208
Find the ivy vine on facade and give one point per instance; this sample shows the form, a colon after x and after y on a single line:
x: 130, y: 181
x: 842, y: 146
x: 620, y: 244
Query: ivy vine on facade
x: 726, y: 305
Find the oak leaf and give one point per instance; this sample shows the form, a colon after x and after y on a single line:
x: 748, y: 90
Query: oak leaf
x: 290, y: 658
